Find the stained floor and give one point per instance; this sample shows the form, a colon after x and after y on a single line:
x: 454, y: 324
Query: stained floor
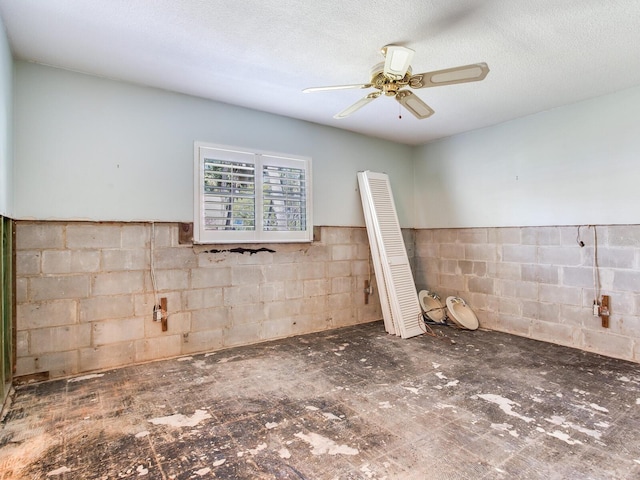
x: 353, y: 403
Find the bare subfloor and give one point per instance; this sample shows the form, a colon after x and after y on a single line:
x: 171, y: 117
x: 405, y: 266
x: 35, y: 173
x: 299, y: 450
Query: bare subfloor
x: 350, y: 403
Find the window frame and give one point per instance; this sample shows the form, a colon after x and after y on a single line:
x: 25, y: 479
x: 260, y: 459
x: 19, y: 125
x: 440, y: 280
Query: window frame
x: 259, y: 158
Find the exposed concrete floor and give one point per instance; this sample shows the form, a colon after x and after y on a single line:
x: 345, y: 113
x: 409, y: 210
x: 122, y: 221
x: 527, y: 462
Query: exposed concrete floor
x: 350, y: 403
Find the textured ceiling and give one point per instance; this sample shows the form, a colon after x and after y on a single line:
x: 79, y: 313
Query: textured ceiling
x: 261, y: 53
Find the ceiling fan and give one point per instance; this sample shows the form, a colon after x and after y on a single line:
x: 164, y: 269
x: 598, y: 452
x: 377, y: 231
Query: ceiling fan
x: 392, y: 75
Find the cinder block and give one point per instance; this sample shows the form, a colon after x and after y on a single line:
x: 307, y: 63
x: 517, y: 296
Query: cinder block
x: 336, y: 235
x: 312, y: 288
x: 258, y: 258
x: 252, y: 313
x: 445, y: 235
x: 246, y: 275
x: 343, y: 252
x: 93, y: 235
x: 472, y: 235
x: 425, y: 236
x: 452, y: 251
x: 339, y: 301
x: 361, y: 267
x: 70, y: 261
x: 359, y: 235
x: 117, y: 283
x: 280, y: 272
x: 339, y: 269
x: 175, y: 258
x: 106, y: 307
x: 615, y: 258
x: 317, y: 252
x: 166, y: 235
x: 519, y: 253
x: 172, y: 280
x: 293, y: 289
x: 58, y: 364
x: 607, y: 344
x: 159, y: 347
x: 555, y: 333
x: 143, y: 303
x: 576, y: 315
x: 342, y: 284
x: 241, y: 295
x: 508, y: 235
x: 548, y: 274
x: 286, y: 309
x: 108, y: 332
x: 244, y: 334
x: 210, y: 277
x: 22, y: 344
x: 312, y: 305
x: 312, y: 270
x: 514, y: 324
x: 504, y: 271
x: 577, y: 276
x: 107, y: 356
x: 623, y: 235
x: 205, y: 341
x: 46, y: 314
x: 121, y: 259
x: 430, y: 250
x: 39, y: 235
x: 481, y: 285
x: 626, y: 280
x: 509, y: 306
x: 177, y: 324
x: 272, y: 292
x: 22, y: 290
x: 58, y: 339
x: 28, y: 262
x: 210, y: 319
x: 548, y: 312
x: 548, y: 236
x: 559, y: 255
x: 451, y: 282
x: 279, y: 327
x: 203, y: 298
x: 560, y: 295
x: 135, y: 236
x: 343, y: 317
x: 58, y: 287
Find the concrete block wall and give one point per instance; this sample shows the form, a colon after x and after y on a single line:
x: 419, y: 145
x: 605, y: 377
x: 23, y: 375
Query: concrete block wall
x: 538, y: 282
x: 85, y: 293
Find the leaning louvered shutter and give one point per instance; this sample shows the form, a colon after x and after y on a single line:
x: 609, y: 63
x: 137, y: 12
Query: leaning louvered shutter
x: 393, y: 260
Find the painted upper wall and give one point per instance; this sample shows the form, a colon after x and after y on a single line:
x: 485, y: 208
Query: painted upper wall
x: 97, y: 149
x: 6, y: 124
x: 574, y: 165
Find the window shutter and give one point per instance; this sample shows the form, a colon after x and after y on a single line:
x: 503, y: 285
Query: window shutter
x: 284, y: 199
x: 229, y: 195
x: 247, y: 197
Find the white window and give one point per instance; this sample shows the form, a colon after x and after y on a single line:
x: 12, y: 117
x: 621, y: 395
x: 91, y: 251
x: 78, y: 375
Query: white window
x: 251, y: 197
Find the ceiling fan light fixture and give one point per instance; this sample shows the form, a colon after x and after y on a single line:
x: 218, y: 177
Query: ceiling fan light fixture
x: 397, y: 61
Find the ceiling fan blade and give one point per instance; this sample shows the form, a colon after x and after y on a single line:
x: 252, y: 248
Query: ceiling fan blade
x: 467, y: 73
x: 358, y: 105
x: 336, y: 87
x: 414, y: 104
x: 397, y: 61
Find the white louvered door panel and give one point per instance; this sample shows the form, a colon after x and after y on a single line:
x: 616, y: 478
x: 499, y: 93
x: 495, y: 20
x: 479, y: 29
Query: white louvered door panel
x: 387, y: 315
x: 403, y: 298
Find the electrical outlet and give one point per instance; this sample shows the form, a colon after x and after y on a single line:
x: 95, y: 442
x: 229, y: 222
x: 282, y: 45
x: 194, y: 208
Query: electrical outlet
x: 157, y: 313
